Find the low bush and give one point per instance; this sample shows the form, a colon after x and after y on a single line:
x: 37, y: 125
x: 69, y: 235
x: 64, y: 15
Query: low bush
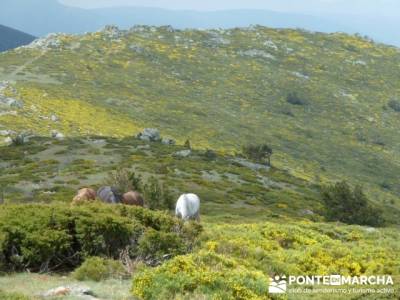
x: 210, y: 275
x: 259, y: 153
x: 123, y: 180
x: 236, y: 261
x: 42, y: 237
x: 98, y: 268
x: 155, y: 245
x: 395, y: 105
x: 295, y: 99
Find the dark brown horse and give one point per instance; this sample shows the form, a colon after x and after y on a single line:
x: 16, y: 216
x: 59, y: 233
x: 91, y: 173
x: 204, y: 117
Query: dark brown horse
x: 132, y: 198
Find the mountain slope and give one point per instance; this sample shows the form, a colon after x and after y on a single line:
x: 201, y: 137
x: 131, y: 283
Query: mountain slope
x: 41, y: 17
x: 323, y: 102
x: 11, y: 38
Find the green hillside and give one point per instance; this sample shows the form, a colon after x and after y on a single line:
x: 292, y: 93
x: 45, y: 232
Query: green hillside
x: 328, y: 105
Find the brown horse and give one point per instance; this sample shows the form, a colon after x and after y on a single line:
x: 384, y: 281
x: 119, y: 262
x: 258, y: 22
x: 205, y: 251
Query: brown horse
x: 83, y: 195
x: 132, y: 198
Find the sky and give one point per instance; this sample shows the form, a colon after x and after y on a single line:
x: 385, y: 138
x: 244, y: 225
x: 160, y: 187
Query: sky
x: 365, y: 7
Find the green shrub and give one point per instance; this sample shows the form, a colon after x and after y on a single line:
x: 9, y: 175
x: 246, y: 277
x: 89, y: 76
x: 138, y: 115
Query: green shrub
x: 395, y: 105
x: 59, y: 237
x: 210, y: 155
x: 259, y: 153
x: 98, y: 268
x: 350, y: 206
x: 157, y: 196
x: 295, y: 99
x: 156, y: 245
x: 124, y: 180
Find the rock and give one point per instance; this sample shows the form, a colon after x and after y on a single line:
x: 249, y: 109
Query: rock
x: 112, y: 31
x: 54, y: 118
x: 168, y: 141
x: 300, y: 75
x: 6, y: 132
x: 57, y: 135
x: 271, y: 44
x: 306, y: 212
x: 51, y: 41
x: 59, y: 291
x: 249, y: 164
x: 137, y: 48
x: 11, y: 102
x: 150, y: 135
x: 183, y: 153
x: 216, y: 39
x: 82, y: 292
x: 370, y: 229
x: 8, y: 141
x: 256, y: 53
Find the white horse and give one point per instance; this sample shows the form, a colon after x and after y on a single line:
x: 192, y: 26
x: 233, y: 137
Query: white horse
x: 188, y: 207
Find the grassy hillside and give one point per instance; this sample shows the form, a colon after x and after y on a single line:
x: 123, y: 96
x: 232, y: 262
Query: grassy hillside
x: 257, y: 221
x: 327, y: 104
x: 11, y: 38
x: 47, y: 170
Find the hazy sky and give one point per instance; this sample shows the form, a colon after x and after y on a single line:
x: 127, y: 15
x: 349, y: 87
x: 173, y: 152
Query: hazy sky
x: 371, y: 7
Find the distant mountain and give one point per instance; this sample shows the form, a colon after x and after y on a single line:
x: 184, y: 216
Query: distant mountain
x: 40, y: 17
x: 11, y: 38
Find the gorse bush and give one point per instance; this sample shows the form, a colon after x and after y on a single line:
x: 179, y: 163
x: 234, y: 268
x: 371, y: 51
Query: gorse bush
x: 98, y: 268
x: 54, y: 237
x: 236, y: 261
x: 350, y: 206
x: 204, y: 273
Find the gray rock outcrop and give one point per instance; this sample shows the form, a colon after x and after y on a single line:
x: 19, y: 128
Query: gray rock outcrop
x: 150, y: 135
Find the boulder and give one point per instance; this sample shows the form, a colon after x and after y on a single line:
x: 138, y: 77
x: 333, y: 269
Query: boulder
x: 255, y: 53
x: 137, y: 48
x: 11, y: 102
x: 6, y: 132
x: 306, y: 212
x: 54, y: 118
x: 59, y: 291
x: 112, y: 31
x: 8, y: 141
x: 51, y: 41
x: 248, y: 164
x: 167, y: 141
x: 183, y: 153
x: 150, y: 135
x: 57, y: 135
x: 82, y: 292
